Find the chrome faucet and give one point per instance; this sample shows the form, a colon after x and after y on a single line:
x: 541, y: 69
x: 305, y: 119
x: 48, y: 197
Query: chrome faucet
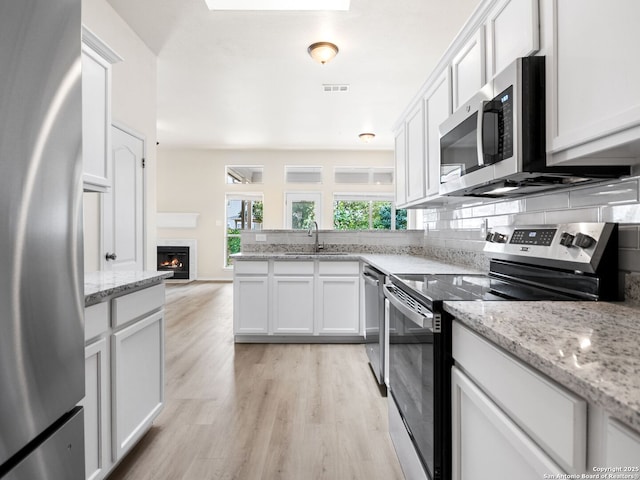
x: 317, y: 247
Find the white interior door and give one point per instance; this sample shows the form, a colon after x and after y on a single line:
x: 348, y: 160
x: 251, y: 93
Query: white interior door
x: 301, y: 208
x: 123, y: 205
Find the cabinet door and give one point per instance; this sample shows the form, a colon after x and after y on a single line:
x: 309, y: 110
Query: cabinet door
x: 401, y: 166
x: 250, y: 305
x: 96, y: 119
x: 138, y: 380
x: 622, y: 446
x: 293, y: 305
x: 512, y: 32
x: 468, y: 70
x: 438, y: 109
x: 415, y: 154
x: 96, y: 410
x: 594, y: 81
x: 339, y: 305
x: 486, y: 443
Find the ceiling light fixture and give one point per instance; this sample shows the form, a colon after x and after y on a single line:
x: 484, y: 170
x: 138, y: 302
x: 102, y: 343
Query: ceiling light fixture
x: 366, y: 137
x: 322, y: 52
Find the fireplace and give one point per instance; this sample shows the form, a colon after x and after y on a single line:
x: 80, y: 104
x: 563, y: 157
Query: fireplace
x: 174, y: 259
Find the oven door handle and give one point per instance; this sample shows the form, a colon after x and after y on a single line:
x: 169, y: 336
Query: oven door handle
x: 417, y: 318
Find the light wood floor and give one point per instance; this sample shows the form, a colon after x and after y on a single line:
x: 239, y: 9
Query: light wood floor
x: 254, y: 411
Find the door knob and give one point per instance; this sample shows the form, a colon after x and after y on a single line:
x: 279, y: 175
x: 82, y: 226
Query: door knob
x: 110, y: 256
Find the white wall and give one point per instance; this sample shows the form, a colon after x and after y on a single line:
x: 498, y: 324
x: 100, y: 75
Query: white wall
x: 194, y: 181
x: 134, y: 106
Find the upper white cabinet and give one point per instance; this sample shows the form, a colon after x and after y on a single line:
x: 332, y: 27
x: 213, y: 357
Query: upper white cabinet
x: 415, y: 154
x: 593, y: 99
x: 401, y: 165
x: 512, y: 31
x: 438, y: 107
x: 468, y: 69
x: 97, y: 58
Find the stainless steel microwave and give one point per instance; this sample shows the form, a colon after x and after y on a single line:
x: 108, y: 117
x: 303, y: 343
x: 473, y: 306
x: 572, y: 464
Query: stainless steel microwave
x: 494, y: 144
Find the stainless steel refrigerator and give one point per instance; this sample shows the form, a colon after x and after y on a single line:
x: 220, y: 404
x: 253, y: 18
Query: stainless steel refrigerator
x: 41, y: 269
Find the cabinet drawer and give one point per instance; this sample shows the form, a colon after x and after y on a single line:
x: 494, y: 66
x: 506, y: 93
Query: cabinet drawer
x: 96, y: 320
x: 293, y: 268
x: 249, y: 268
x: 339, y: 268
x: 136, y: 304
x: 554, y: 417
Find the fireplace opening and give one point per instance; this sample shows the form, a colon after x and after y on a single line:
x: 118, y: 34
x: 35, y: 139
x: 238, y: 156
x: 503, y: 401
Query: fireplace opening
x: 174, y: 259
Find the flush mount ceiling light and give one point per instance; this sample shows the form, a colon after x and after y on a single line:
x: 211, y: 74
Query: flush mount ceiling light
x: 322, y: 52
x: 366, y: 137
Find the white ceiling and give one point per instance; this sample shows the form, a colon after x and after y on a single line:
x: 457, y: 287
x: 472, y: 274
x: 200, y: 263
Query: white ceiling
x: 230, y: 79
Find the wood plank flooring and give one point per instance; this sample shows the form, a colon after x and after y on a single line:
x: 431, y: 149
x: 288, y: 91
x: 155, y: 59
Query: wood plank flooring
x: 258, y: 411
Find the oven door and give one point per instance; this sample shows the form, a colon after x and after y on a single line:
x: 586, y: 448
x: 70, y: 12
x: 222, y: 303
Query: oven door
x: 419, y: 382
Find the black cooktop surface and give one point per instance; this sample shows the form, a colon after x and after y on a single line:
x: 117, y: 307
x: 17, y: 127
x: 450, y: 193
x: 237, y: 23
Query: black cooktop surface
x: 443, y: 287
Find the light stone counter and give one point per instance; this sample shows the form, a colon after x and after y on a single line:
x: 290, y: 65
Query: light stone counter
x: 388, y: 264
x: 99, y: 285
x: 591, y: 348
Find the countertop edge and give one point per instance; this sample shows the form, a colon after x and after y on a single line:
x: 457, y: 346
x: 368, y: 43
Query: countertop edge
x: 101, y: 285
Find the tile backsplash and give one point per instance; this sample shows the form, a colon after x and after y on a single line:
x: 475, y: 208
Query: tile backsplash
x: 462, y: 226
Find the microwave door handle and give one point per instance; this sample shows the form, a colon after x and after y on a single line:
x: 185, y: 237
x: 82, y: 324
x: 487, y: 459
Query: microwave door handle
x: 480, y: 133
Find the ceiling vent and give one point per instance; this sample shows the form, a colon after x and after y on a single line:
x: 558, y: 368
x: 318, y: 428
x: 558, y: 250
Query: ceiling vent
x: 335, y: 88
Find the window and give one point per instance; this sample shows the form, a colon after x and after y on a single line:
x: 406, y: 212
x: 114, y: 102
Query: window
x: 302, y: 174
x: 364, y: 175
x: 302, y: 208
x: 367, y: 212
x: 244, y: 174
x: 244, y: 212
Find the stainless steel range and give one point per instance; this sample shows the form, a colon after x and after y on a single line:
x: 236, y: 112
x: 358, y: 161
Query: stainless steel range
x: 573, y: 261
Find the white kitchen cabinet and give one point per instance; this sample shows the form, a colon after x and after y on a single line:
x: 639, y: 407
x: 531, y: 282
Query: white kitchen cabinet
x: 415, y: 154
x: 251, y: 304
x: 552, y: 417
x: 138, y: 380
x: 593, y: 99
x: 438, y: 109
x: 611, y: 443
x: 124, y: 374
x: 468, y: 69
x: 401, y: 166
x: 97, y: 58
x: 293, y: 305
x: 338, y: 299
x: 487, y: 443
x: 512, y: 31
x: 311, y: 299
x: 96, y: 409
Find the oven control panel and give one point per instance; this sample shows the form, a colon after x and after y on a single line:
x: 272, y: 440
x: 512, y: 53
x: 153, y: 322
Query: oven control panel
x: 574, y: 246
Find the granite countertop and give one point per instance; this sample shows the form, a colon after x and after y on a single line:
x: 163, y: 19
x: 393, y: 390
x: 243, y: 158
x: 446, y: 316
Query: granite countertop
x: 387, y: 263
x: 98, y: 285
x: 590, y: 348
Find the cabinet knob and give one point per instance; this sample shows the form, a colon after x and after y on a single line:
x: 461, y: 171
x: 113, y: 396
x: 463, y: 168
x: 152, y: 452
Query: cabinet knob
x: 110, y: 256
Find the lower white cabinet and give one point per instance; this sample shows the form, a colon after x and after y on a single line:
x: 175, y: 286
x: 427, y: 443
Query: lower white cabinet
x: 251, y: 304
x: 137, y: 379
x: 487, y: 443
x: 293, y: 305
x: 124, y: 375
x: 338, y: 302
x: 96, y: 409
x: 280, y: 298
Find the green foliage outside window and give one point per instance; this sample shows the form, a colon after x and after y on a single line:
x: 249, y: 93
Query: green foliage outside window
x: 233, y: 243
x: 302, y: 214
x: 355, y: 215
